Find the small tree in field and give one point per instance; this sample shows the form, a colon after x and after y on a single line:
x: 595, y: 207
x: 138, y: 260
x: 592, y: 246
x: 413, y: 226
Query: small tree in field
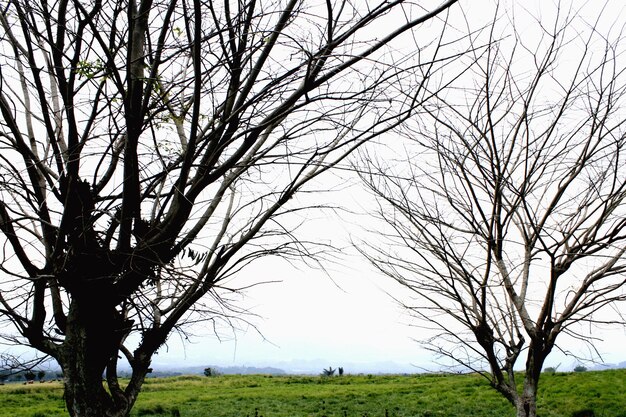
x: 152, y: 149
x: 507, y: 220
x: 29, y: 376
x: 328, y: 372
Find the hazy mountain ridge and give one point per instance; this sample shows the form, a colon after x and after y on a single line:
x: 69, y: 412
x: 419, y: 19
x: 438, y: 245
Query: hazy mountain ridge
x: 297, y: 367
x: 223, y: 370
x: 603, y: 366
x: 316, y: 366
x: 293, y: 367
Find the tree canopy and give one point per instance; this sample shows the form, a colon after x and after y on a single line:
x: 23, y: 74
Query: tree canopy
x: 151, y: 149
x: 506, y: 217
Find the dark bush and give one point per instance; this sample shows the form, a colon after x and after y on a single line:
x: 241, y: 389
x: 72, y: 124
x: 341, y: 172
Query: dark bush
x: 328, y: 372
x: 211, y: 372
x: 584, y: 413
x: 150, y: 411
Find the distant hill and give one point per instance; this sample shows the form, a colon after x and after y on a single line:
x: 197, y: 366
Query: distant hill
x: 315, y: 367
x: 247, y: 370
x: 224, y: 370
x: 603, y: 366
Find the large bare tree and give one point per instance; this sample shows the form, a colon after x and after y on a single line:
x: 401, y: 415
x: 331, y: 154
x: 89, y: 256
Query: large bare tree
x: 506, y: 217
x: 151, y: 149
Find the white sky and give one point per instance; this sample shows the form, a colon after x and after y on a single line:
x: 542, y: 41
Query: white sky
x: 308, y: 317
x: 346, y: 316
x: 342, y: 316
x: 335, y: 318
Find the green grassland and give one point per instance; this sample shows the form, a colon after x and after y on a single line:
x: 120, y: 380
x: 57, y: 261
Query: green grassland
x: 561, y: 395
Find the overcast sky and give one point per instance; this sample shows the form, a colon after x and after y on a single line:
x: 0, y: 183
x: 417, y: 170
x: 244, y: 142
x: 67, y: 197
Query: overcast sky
x: 344, y: 315
x: 307, y: 317
x: 341, y: 317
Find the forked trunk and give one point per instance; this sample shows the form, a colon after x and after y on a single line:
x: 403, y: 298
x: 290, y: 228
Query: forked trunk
x: 85, y: 395
x: 527, y: 402
x: 93, y: 337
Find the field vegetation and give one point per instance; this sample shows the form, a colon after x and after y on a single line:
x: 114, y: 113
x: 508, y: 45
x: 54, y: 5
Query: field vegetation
x: 427, y: 395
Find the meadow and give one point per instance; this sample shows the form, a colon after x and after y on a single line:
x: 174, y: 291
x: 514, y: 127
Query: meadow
x: 426, y: 395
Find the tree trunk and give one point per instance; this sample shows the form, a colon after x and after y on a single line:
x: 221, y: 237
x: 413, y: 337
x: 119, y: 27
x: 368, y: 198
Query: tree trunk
x: 527, y: 402
x: 93, y: 336
x: 85, y: 395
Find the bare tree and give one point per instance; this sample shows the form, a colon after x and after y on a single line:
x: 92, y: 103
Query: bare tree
x: 506, y: 218
x: 150, y: 151
x: 11, y: 365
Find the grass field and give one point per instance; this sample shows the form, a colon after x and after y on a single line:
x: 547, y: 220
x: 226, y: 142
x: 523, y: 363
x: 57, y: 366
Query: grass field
x: 561, y: 395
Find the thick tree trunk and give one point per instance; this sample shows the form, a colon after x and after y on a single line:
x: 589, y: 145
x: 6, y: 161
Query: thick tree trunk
x: 85, y: 395
x: 93, y: 336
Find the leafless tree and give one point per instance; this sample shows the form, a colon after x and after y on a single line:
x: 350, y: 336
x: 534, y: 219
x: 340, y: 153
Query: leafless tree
x: 152, y: 149
x: 506, y: 217
x: 11, y: 365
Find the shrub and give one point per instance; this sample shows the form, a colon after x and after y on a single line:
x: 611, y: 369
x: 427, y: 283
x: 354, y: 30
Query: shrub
x: 149, y: 411
x: 580, y: 368
x: 584, y: 413
x: 210, y: 372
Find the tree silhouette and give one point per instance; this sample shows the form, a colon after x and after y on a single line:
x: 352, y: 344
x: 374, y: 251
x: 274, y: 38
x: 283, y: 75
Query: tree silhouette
x: 507, y: 217
x: 151, y: 150
x: 328, y: 372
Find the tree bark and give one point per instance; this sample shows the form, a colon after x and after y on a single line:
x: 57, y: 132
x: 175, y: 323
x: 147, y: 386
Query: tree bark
x: 527, y: 402
x: 85, y: 395
x: 93, y: 337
